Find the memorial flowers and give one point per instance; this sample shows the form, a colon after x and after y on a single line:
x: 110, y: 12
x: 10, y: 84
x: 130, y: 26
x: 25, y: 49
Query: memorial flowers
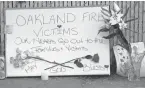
x: 115, y: 19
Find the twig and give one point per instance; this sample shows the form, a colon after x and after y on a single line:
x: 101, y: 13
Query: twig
x: 64, y: 63
x: 134, y: 31
x: 61, y: 64
x: 29, y: 57
x: 131, y: 20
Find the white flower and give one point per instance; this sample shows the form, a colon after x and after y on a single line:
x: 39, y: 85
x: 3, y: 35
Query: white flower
x: 115, y: 18
x: 23, y: 55
x: 122, y: 25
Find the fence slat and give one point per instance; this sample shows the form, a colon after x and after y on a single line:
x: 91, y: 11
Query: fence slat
x: 65, y: 4
x: 35, y: 4
x: 61, y: 4
x: 132, y: 22
x: 86, y: 3
x: 27, y: 4
x: 137, y: 25
x: 43, y: 3
x: 31, y: 4
x: 57, y: 4
x: 140, y: 21
x: 10, y: 4
x: 78, y: 3
x: 127, y: 18
x: 90, y: 3
x: 124, y: 10
x: 69, y: 3
x: 1, y: 26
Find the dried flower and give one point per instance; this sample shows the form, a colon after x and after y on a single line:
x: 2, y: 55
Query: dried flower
x: 115, y: 18
x: 122, y: 25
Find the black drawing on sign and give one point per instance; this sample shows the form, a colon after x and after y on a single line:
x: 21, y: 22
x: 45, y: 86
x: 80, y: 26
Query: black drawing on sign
x: 77, y: 61
x: 95, y: 58
x: 57, y: 69
x: 22, y: 59
x: 106, y: 66
x: 59, y: 26
x: 88, y: 57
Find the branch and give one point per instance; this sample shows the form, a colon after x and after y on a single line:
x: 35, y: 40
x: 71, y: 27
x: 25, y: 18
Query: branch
x: 105, y: 19
x: 134, y: 31
x: 105, y: 14
x: 131, y: 20
x: 69, y: 61
x: 103, y: 30
x: 61, y: 63
x: 126, y: 12
x: 38, y: 58
x: 110, y: 36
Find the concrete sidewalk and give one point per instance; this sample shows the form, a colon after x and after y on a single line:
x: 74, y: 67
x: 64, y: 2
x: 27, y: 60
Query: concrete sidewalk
x: 113, y: 81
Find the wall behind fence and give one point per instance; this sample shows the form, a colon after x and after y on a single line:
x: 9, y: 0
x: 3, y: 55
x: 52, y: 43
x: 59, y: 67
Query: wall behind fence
x: 135, y: 34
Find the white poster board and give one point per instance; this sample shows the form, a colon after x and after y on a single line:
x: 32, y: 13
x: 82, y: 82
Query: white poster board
x: 64, y: 40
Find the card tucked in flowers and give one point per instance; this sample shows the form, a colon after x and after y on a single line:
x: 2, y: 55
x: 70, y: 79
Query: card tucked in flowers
x: 123, y: 61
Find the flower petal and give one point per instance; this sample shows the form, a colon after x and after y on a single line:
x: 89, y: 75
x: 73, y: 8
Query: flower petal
x: 116, y: 7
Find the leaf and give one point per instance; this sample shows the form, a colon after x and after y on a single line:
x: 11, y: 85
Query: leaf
x: 105, y: 19
x: 111, y: 28
x: 110, y: 36
x: 119, y: 11
x: 126, y: 12
x: 105, y: 14
x: 105, y: 10
x: 103, y: 30
x: 121, y: 37
x: 124, y: 42
x: 131, y: 20
x: 88, y: 57
x: 110, y: 11
x: 96, y: 58
x: 79, y: 64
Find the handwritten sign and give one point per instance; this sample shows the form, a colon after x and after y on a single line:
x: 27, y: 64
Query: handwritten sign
x: 61, y: 41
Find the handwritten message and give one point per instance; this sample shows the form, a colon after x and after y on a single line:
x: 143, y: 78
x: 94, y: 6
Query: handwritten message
x: 51, y: 37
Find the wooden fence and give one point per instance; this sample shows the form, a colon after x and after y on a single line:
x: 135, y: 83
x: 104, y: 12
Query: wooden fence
x: 136, y: 34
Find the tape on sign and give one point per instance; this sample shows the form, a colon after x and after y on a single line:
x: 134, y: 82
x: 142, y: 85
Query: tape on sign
x: 9, y: 29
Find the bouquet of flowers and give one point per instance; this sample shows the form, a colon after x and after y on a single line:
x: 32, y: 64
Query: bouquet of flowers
x: 114, y: 21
